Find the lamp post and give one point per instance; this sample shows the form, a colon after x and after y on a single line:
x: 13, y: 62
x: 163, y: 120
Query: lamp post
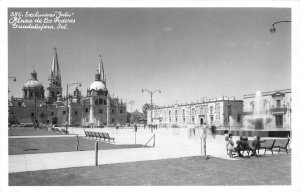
x: 46, y: 114
x: 67, y: 123
x: 35, y: 123
x: 273, y: 29
x: 151, y: 94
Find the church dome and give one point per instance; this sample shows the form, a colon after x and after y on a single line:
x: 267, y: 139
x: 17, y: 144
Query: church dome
x: 97, y: 85
x: 33, y: 88
x: 33, y: 84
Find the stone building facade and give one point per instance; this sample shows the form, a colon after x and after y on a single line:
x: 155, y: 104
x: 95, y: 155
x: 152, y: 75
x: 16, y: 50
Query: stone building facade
x: 96, y: 108
x: 277, y: 106
x: 225, y: 113
x: 220, y: 112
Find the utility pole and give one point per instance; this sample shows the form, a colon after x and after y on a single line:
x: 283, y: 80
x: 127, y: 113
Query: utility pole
x: 151, y: 101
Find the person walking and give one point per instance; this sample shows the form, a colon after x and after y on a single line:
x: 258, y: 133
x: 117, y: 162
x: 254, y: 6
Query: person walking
x: 226, y: 139
x: 230, y: 145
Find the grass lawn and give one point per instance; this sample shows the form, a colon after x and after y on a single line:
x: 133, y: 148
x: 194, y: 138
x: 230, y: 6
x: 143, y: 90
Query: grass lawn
x: 30, y: 131
x: 270, y: 170
x: 57, y: 144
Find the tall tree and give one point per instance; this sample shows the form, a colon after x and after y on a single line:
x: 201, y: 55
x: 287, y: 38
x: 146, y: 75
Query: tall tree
x: 135, y: 116
x: 145, y: 108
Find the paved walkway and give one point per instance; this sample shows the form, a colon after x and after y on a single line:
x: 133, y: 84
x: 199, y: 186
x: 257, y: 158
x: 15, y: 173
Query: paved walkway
x: 169, y: 144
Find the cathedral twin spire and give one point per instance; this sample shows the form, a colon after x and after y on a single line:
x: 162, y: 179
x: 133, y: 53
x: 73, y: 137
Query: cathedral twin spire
x: 100, y: 75
x: 54, y: 88
x: 55, y: 77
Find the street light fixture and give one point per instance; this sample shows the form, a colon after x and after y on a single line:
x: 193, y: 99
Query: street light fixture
x: 273, y: 29
x: 151, y: 93
x: 67, y: 123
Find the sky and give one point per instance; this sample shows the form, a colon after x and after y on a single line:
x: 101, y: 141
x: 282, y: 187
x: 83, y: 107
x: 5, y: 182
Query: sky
x: 187, y: 53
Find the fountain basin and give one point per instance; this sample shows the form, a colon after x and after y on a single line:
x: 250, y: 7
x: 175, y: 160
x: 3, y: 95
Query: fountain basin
x: 252, y: 133
x: 259, y: 122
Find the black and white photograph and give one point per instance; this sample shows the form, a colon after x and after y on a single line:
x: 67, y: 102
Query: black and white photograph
x: 150, y: 95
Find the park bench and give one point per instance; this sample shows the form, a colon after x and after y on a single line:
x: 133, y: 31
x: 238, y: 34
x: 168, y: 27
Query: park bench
x: 91, y: 134
x: 258, y: 145
x: 88, y: 134
x: 95, y: 135
x: 106, y: 136
x: 267, y: 145
x: 282, y: 144
x: 100, y: 135
x: 242, y: 146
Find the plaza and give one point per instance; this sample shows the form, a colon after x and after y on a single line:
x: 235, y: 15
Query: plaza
x: 170, y: 145
x: 163, y: 87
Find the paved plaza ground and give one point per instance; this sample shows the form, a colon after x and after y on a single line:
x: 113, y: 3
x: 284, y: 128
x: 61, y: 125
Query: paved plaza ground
x: 175, y: 147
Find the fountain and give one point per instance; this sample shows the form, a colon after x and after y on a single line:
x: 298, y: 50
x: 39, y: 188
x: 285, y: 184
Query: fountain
x: 259, y: 119
x: 256, y: 123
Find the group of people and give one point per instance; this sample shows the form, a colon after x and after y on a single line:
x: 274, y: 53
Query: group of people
x: 152, y: 126
x: 242, y: 144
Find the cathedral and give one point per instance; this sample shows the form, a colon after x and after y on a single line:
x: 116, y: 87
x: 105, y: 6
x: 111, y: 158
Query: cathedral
x: 97, y: 108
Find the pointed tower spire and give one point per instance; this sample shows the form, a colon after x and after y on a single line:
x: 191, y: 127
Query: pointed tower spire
x: 102, y: 70
x: 98, y: 74
x: 54, y: 79
x: 99, y: 67
x: 55, y: 72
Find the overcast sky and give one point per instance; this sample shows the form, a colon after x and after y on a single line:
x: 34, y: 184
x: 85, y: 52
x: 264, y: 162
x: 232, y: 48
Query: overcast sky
x: 187, y: 53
